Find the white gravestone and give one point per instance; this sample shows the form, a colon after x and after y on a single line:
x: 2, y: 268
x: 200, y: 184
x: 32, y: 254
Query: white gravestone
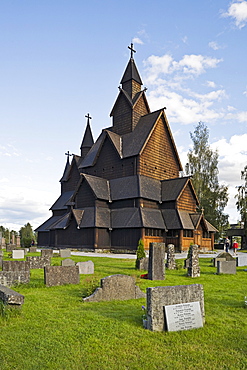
x: 183, y: 316
x: 17, y: 254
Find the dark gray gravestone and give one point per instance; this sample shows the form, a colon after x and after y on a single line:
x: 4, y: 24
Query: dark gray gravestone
x: 194, y: 268
x: 226, y: 267
x: 183, y: 316
x: 170, y: 262
x: 9, y: 296
x: 156, y: 264
x: 60, y: 275
x: 116, y: 287
x: 159, y: 297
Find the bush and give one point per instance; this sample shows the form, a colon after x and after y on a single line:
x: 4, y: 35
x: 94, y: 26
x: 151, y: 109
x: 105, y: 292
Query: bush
x: 140, y: 253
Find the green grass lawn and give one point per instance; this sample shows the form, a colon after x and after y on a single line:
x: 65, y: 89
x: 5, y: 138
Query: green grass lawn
x: 56, y: 330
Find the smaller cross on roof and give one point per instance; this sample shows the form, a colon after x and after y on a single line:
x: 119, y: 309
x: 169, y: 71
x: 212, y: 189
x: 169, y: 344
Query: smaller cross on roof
x: 88, y: 117
x: 68, y: 154
x: 131, y: 47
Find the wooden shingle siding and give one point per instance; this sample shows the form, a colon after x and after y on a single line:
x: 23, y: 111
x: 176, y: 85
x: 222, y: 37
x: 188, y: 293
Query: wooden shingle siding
x: 103, y: 238
x: 72, y: 181
x: 85, y: 196
x: 158, y: 159
x: 109, y: 165
x: 122, y: 122
x: 125, y: 238
x: 187, y: 201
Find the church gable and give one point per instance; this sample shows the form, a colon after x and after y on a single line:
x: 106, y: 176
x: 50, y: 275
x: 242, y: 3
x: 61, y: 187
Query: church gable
x: 159, y: 158
x: 84, y: 196
x: 72, y: 178
x: 187, y: 200
x: 108, y: 163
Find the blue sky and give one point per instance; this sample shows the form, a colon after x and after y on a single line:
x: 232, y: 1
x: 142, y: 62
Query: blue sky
x: 62, y: 59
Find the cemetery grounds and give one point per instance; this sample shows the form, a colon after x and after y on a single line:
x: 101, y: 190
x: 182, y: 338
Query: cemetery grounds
x: 54, y: 329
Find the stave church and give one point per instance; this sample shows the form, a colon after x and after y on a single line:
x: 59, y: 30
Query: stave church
x: 127, y: 185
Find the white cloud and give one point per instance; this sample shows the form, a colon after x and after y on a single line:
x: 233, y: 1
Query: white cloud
x: 213, y: 45
x: 211, y: 84
x: 237, y: 11
x: 169, y: 80
x: 137, y: 40
x: 232, y: 160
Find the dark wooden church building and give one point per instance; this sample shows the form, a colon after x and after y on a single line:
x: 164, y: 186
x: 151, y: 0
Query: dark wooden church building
x: 127, y: 185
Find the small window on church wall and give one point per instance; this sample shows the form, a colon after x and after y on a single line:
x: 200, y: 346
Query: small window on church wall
x: 153, y: 232
x: 172, y: 233
x: 205, y: 234
x: 188, y: 233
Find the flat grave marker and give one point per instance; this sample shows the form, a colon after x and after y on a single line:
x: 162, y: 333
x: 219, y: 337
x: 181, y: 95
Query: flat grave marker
x: 18, y: 254
x: 184, y: 316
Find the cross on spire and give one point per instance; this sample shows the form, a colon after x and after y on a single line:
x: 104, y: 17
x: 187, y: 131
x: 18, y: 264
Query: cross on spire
x: 88, y: 117
x: 68, y: 154
x: 131, y: 47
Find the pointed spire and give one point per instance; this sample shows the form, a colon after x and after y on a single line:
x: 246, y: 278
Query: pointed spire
x: 67, y: 168
x: 87, y: 141
x: 131, y: 80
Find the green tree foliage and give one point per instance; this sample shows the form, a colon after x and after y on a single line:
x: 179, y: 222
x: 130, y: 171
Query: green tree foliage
x: 140, y: 253
x: 242, y: 201
x: 203, y: 167
x: 27, y: 235
x: 7, y: 233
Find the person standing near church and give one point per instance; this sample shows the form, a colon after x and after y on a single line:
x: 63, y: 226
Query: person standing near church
x: 227, y: 244
x: 235, y: 247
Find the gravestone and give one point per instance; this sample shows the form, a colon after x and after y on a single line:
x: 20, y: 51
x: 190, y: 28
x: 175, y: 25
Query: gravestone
x: 194, y: 268
x: 18, y: 254
x: 116, y: 287
x: 38, y: 262
x: 186, y: 263
x: 65, y: 253
x: 242, y: 260
x: 16, y: 266
x: 1, y: 238
x: 159, y: 297
x: 143, y: 263
x: 10, y: 278
x: 183, y: 316
x: 156, y: 264
x: 60, y: 275
x: 223, y: 256
x: 32, y: 249
x: 18, y: 241
x: 1, y: 262
x: 9, y: 296
x: 13, y: 238
x: 67, y: 262
x: 226, y: 267
x: 47, y: 253
x: 86, y: 267
x: 170, y: 262
x: 1, y: 253
x: 10, y: 247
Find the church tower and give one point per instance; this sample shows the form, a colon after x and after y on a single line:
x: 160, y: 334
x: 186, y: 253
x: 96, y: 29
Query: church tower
x: 131, y: 102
